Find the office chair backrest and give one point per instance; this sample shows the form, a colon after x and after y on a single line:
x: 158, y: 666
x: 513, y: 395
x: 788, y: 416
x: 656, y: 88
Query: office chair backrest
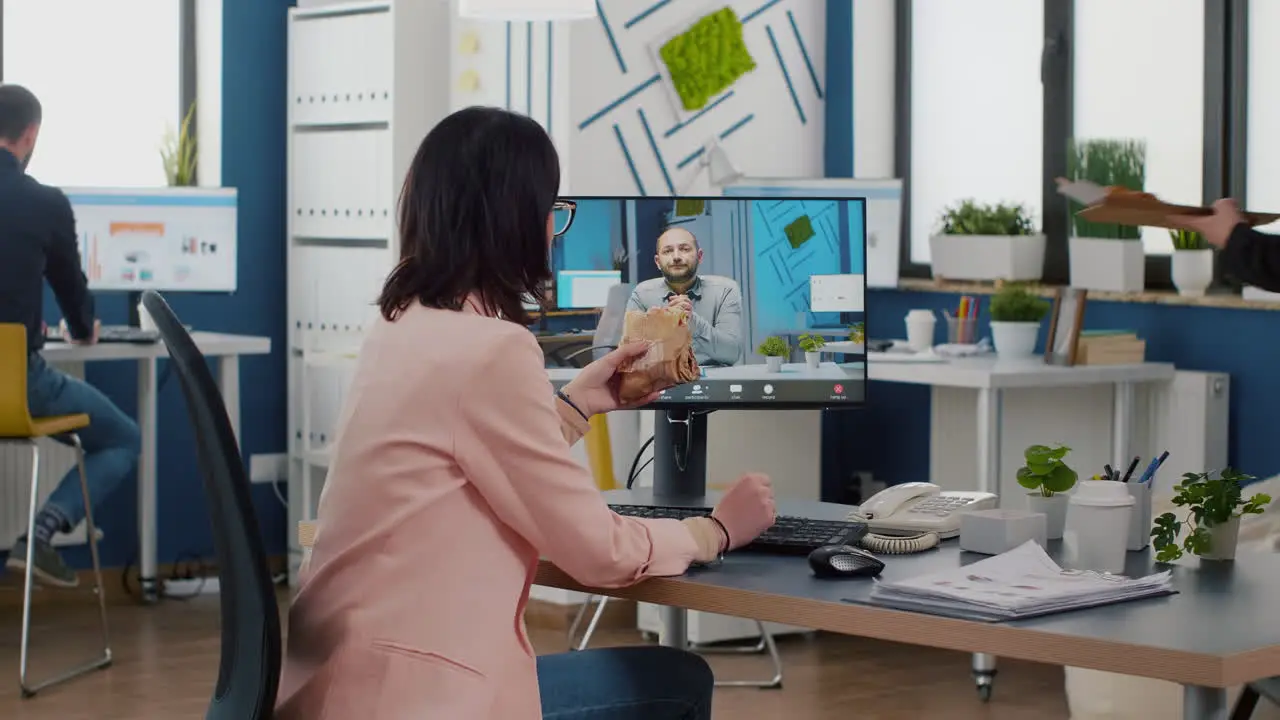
x: 249, y: 671
x: 15, y: 417
x: 609, y: 328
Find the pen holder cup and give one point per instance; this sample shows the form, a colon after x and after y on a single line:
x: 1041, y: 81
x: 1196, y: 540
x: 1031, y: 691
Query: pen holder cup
x: 960, y: 331
x: 1140, y: 521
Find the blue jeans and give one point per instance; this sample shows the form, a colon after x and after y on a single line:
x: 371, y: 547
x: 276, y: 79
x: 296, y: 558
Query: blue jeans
x: 625, y: 683
x: 111, y: 441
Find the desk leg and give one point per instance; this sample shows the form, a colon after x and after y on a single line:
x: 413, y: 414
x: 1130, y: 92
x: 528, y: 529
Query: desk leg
x: 147, y: 489
x: 1203, y: 703
x: 1122, y: 430
x: 229, y: 386
x: 675, y: 632
x: 984, y: 666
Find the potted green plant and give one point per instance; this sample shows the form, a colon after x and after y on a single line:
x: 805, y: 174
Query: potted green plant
x: 178, y: 153
x: 812, y: 346
x: 774, y: 349
x: 1048, y: 476
x: 1016, y: 316
x: 858, y: 333
x: 1192, y: 267
x: 620, y: 258
x: 1213, y: 506
x: 1106, y: 256
x: 979, y: 241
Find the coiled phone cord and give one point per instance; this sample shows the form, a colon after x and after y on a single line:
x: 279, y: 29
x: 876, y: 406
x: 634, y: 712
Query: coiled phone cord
x: 895, y: 544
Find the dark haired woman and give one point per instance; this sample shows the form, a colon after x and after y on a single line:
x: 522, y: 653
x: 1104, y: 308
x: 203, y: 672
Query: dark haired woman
x: 452, y: 475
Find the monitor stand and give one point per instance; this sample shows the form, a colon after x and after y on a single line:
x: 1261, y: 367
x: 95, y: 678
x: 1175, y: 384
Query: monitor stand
x: 679, y: 478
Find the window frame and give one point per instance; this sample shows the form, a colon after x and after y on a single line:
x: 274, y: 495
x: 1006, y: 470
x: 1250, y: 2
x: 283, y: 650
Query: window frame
x: 187, y: 82
x: 1225, y: 117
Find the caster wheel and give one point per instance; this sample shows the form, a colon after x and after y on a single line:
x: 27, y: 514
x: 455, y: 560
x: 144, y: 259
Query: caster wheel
x: 984, y: 693
x: 26, y: 694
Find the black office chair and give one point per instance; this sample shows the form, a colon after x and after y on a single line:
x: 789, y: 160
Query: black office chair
x: 249, y: 671
x: 1251, y: 694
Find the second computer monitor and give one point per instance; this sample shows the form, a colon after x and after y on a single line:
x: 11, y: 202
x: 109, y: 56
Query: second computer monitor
x: 776, y: 287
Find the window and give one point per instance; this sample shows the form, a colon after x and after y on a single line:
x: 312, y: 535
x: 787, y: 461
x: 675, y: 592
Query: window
x: 1263, y: 146
x: 976, y: 108
x: 108, y: 76
x: 1146, y: 86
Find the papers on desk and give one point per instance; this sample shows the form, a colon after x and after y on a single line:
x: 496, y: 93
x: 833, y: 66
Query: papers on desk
x: 1021, y: 583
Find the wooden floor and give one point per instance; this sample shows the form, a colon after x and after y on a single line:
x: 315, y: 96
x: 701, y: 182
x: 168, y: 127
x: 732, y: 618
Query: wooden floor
x: 166, y: 662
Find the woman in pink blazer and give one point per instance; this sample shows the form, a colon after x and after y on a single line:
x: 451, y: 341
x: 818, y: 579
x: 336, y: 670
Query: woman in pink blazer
x: 451, y: 476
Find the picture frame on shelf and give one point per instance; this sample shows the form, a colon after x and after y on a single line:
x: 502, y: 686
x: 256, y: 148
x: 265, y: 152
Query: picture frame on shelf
x: 1063, y: 343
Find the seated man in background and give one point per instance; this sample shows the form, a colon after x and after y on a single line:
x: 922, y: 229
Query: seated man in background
x: 714, y: 303
x: 37, y: 242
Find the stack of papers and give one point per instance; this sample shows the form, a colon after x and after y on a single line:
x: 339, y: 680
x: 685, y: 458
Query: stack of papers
x: 1021, y: 583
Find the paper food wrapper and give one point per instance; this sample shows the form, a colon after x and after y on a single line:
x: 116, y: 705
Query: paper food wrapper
x: 1131, y: 207
x: 670, y: 360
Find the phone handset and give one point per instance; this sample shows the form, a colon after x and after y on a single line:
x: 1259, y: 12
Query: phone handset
x: 886, y: 502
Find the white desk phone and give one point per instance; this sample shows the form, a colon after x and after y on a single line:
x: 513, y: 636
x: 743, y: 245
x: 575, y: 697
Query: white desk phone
x: 916, y: 509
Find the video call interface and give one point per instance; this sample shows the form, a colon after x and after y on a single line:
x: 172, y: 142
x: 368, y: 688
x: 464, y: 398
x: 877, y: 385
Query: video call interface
x: 759, y: 275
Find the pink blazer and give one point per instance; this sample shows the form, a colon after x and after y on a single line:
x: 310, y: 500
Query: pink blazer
x: 451, y: 475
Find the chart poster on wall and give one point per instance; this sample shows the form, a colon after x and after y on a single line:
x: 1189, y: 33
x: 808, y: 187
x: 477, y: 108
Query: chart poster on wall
x: 168, y: 239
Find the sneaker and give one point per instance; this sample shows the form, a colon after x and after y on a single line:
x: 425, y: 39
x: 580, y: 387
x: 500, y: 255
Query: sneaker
x: 49, y: 569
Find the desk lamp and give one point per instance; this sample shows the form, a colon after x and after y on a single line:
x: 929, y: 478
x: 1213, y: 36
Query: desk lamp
x: 720, y: 168
x: 527, y: 10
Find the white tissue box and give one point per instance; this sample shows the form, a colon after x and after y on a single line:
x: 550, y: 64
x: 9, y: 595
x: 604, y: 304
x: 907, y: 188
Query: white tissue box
x: 992, y: 532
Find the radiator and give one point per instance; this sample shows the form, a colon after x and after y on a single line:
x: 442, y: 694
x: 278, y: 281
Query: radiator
x: 15, y: 487
x: 1187, y: 416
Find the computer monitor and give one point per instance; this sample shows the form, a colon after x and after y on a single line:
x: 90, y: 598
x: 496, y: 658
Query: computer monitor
x: 585, y: 289
x: 754, y: 269
x: 167, y: 239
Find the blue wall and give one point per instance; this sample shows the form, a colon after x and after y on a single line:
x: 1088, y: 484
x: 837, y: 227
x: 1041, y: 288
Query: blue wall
x: 253, y: 160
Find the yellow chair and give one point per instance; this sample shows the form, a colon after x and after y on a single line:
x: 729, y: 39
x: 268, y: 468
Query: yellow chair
x: 18, y: 427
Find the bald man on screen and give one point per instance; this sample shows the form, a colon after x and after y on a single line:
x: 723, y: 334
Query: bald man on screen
x: 714, y: 303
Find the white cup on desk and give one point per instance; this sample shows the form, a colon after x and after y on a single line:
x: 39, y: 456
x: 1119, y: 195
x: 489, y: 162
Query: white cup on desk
x: 1097, y: 530
x: 920, y: 326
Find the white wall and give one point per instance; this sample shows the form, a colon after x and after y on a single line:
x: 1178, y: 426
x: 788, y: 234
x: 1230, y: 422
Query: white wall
x: 209, y: 92
x: 873, y: 88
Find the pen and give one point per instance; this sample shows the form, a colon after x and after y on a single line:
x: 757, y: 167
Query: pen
x: 1111, y: 474
x: 1132, y: 466
x: 1150, y: 471
x: 1163, y: 456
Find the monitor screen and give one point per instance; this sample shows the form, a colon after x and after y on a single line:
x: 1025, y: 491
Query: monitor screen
x: 760, y: 275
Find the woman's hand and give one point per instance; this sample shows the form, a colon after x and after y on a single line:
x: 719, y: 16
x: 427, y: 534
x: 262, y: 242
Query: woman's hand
x: 747, y: 509
x: 1216, y: 228
x: 595, y: 389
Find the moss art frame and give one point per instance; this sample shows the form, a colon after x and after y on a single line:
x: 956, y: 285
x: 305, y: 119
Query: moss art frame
x: 799, y: 232
x: 706, y: 59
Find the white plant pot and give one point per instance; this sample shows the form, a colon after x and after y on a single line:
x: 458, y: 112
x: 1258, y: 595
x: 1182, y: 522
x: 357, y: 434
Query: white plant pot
x: 1108, y: 265
x: 1015, y: 340
x: 813, y: 360
x: 1054, y: 509
x: 773, y: 364
x: 1223, y: 540
x: 1192, y: 271
x: 987, y: 257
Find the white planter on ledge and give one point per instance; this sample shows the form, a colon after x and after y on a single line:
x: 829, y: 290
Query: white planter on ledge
x: 1108, y: 265
x: 987, y: 257
x: 773, y: 363
x: 813, y: 359
x: 1014, y: 340
x: 1192, y: 271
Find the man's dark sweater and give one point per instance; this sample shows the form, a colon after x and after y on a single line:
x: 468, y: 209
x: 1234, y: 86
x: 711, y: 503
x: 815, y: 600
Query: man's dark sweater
x: 38, y: 241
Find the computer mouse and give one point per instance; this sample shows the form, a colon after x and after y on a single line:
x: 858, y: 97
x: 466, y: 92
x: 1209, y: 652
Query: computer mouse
x: 844, y: 561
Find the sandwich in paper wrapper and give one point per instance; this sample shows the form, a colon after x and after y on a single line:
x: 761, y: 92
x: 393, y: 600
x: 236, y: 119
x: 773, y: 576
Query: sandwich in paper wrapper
x: 670, y: 360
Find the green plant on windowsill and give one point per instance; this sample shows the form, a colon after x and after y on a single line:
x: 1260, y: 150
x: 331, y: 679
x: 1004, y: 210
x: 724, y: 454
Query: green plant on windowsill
x: 1108, y: 163
x: 178, y: 152
x: 858, y: 332
x: 1046, y: 471
x: 1188, y: 240
x: 1209, y: 502
x: 812, y: 343
x: 620, y: 258
x: 970, y: 217
x: 773, y: 347
x: 1015, y: 303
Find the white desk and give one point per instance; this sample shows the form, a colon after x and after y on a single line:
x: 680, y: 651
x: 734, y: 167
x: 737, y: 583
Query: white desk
x: 227, y: 350
x: 990, y: 377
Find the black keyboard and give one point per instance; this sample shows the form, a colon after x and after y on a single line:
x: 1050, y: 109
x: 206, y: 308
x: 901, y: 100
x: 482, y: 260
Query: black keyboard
x: 788, y: 536
x: 114, y: 334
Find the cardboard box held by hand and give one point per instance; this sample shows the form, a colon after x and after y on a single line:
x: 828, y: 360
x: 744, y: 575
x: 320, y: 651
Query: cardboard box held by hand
x: 1130, y: 207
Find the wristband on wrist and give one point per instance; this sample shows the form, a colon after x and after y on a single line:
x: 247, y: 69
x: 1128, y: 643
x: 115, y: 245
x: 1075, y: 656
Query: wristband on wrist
x: 723, y: 531
x: 560, y: 394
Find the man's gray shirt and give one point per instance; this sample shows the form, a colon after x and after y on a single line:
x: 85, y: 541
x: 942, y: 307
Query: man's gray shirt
x: 717, y: 315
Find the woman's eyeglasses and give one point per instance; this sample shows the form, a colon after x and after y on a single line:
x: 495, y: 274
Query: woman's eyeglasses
x: 562, y: 213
